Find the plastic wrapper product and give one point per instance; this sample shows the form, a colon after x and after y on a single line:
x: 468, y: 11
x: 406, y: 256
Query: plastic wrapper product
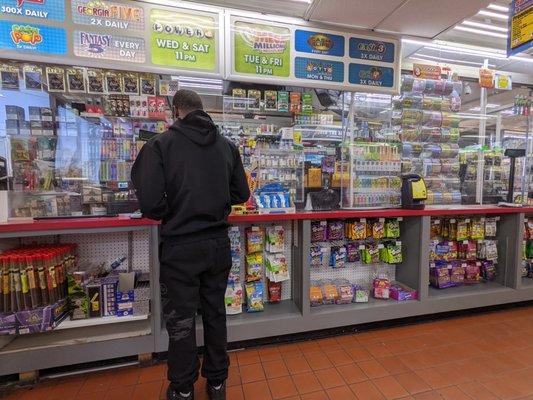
x: 391, y: 253
x: 358, y: 230
x: 457, y: 273
x: 472, y: 272
x: 412, y: 117
x: 345, y: 290
x: 378, y: 229
x: 435, y: 229
x: 381, y: 288
x: 468, y: 250
x: 274, y: 292
x: 488, y: 250
x: 275, y: 239
x: 413, y: 101
x: 277, y: 269
x: 419, y: 85
x: 337, y: 257
x: 491, y: 227
x: 255, y: 239
x: 370, y: 254
x: 488, y: 270
x: 330, y: 293
x: 439, y: 275
x: 361, y: 295
x: 401, y: 292
x: 335, y: 230
x: 316, y: 256
x: 432, y: 119
x: 254, y: 267
x: 254, y: 297
x: 352, y: 253
x: 407, y: 83
x: 462, y: 230
x: 392, y: 228
x: 450, y: 120
x: 449, y: 150
x: 431, y: 103
x: 233, y: 299
x: 315, y: 294
x: 319, y: 231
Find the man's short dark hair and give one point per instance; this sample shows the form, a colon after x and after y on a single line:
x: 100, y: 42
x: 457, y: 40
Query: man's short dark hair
x: 187, y: 100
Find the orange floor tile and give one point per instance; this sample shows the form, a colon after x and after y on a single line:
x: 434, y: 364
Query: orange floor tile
x: 483, y: 357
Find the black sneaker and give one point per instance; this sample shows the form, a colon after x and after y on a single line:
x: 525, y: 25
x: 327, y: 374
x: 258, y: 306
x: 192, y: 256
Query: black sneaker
x: 175, y: 395
x: 216, y: 394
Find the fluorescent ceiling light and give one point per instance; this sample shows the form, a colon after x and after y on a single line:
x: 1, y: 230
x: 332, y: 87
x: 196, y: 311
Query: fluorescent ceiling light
x: 457, y: 48
x: 484, y: 26
x: 450, y: 60
x: 493, y: 15
x: 480, y: 32
x: 497, y: 7
x: 523, y: 59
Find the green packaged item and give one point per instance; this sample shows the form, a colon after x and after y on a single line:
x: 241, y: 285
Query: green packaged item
x: 254, y: 297
x: 529, y: 249
x: 370, y: 254
x: 462, y: 230
x: 391, y: 253
x: 392, y: 228
x: 254, y: 267
x: 307, y: 103
x: 283, y: 101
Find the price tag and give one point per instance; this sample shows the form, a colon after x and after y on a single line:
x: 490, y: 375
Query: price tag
x: 398, y: 243
x: 437, y: 222
x: 452, y: 221
x: 467, y: 220
x: 362, y: 247
x: 362, y: 220
x: 381, y: 220
x: 497, y: 218
x: 450, y: 243
x: 380, y: 246
x: 400, y: 219
x: 465, y: 241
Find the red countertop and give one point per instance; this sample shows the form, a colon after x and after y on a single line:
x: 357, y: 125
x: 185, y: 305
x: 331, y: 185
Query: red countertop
x: 25, y: 225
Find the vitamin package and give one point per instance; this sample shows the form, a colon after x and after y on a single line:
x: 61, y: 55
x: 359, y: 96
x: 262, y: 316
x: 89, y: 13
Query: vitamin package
x: 254, y: 297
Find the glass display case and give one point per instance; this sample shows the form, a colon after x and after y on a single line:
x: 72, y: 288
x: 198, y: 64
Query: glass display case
x: 72, y: 136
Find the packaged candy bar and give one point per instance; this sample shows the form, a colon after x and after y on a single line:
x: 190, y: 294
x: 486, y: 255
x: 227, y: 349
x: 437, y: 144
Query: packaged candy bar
x: 392, y: 228
x: 352, y: 253
x: 401, y: 292
x: 275, y: 239
x: 335, y: 230
x: 488, y: 270
x: 329, y: 292
x: 360, y: 294
x: 435, y: 229
x: 378, y: 229
x: 457, y: 273
x: 439, y: 275
x: 274, y: 292
x: 491, y: 227
x: 254, y: 297
x: 345, y: 290
x: 315, y: 294
x: 477, y: 229
x: 338, y: 257
x: 462, y: 230
x: 316, y: 256
x: 255, y: 239
x: 277, y: 269
x: 319, y: 231
x: 233, y: 299
x: 381, y: 288
x: 472, y: 272
x: 254, y: 267
x: 391, y: 253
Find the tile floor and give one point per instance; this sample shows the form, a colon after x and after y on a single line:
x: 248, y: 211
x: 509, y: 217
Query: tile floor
x: 483, y: 357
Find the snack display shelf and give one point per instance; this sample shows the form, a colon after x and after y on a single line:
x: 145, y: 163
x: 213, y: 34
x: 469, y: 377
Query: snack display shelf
x: 468, y: 290
x: 81, y: 323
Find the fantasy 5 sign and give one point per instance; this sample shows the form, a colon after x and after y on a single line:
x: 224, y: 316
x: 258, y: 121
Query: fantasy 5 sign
x: 42, y: 9
x: 32, y: 38
x: 106, y: 14
x: 109, y: 47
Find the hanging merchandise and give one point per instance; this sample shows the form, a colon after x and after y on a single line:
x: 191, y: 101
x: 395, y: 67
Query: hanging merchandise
x: 486, y: 78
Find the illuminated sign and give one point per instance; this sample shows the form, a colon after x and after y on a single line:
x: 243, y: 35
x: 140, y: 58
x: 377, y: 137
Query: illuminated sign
x: 32, y: 38
x: 42, y: 9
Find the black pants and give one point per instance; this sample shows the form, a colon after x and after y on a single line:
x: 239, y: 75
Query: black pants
x: 195, y: 274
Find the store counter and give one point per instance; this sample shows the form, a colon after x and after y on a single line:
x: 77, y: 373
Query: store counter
x: 93, y: 339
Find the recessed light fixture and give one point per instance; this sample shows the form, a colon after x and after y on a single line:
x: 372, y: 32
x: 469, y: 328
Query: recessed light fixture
x: 448, y: 60
x: 480, y: 32
x: 498, y: 7
x: 493, y: 15
x: 458, y: 48
x: 485, y: 26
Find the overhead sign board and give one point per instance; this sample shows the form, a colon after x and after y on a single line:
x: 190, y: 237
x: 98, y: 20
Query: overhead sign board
x: 520, y: 37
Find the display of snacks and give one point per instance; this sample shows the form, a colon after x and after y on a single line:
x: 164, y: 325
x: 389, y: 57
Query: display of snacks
x: 463, y: 251
x: 425, y: 114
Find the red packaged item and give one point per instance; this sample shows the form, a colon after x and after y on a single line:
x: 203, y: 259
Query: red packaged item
x: 472, y: 273
x: 274, y: 292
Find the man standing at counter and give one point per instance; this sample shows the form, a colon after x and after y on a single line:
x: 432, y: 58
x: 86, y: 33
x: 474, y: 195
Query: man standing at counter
x: 188, y: 177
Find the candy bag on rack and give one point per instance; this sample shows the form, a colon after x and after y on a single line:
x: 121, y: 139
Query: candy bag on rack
x: 254, y: 297
x: 274, y: 292
x: 275, y: 239
x: 319, y: 231
x: 392, y: 228
x: 315, y: 294
x: 337, y: 257
x: 435, y: 229
x: 491, y: 227
x: 472, y: 272
x: 345, y: 290
x: 330, y: 293
x: 488, y: 270
x: 335, y: 230
x: 254, y: 267
x: 378, y: 229
x: 233, y: 299
x: 462, y: 230
x: 352, y: 253
x: 477, y: 229
x: 316, y: 256
x: 457, y: 273
x: 255, y: 238
x: 359, y: 230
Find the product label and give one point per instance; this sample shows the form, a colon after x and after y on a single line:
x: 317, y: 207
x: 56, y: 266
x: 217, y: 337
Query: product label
x: 373, y: 50
x: 520, y: 26
x: 32, y: 38
x: 369, y: 75
x: 425, y: 71
x: 106, y: 14
x: 503, y: 82
x: 261, y: 49
x: 42, y: 9
x: 109, y: 47
x: 184, y: 40
x: 319, y: 70
x: 319, y: 43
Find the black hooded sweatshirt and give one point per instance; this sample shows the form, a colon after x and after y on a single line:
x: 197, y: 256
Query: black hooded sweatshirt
x: 189, y: 177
